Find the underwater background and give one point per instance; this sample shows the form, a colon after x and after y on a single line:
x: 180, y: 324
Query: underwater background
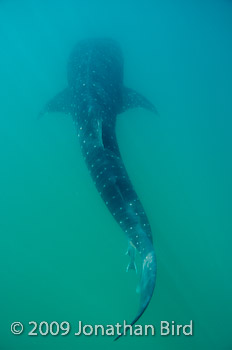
x: 62, y: 255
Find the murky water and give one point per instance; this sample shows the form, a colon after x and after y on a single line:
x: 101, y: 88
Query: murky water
x: 62, y: 254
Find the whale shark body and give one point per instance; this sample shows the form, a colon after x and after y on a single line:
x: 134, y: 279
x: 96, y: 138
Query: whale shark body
x: 94, y: 97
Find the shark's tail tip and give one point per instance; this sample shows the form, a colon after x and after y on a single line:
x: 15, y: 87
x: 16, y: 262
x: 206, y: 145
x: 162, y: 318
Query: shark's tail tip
x: 119, y: 336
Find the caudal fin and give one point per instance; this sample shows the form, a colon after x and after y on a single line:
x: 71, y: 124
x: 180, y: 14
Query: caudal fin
x: 147, y: 285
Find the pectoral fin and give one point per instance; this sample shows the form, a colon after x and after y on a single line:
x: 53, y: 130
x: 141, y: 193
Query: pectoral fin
x: 132, y: 99
x: 61, y: 103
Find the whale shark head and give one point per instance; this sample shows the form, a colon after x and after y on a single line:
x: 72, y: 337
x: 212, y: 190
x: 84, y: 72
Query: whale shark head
x: 98, y: 61
x: 108, y: 61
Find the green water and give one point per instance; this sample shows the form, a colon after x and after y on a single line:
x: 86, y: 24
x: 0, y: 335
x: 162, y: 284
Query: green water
x: 62, y: 254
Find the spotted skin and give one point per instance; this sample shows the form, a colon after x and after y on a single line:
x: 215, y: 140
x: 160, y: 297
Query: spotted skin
x: 94, y: 97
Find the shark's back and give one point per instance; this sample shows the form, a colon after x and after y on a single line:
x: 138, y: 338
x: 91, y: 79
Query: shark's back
x: 95, y: 70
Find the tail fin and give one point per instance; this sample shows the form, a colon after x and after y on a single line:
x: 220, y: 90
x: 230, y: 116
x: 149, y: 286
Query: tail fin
x: 147, y: 285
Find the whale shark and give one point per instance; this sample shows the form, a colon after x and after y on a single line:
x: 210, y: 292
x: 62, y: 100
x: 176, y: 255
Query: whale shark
x: 94, y: 96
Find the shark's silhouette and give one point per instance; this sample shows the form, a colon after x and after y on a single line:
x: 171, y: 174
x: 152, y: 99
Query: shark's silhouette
x: 94, y: 97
